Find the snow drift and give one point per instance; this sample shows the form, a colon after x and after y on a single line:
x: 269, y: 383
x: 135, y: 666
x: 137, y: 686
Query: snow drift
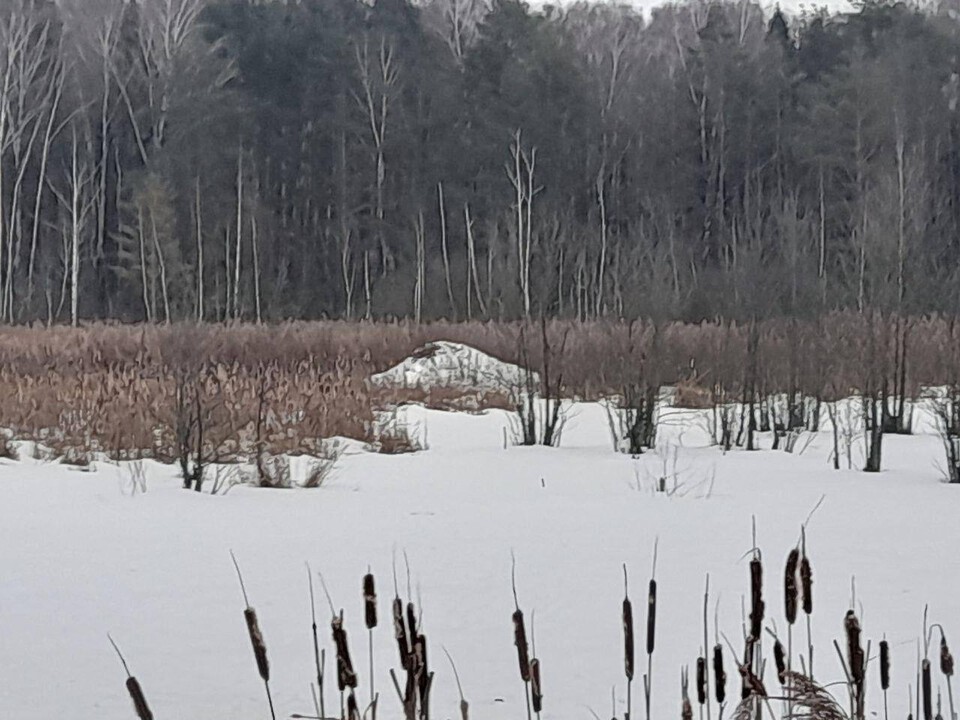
x: 454, y: 365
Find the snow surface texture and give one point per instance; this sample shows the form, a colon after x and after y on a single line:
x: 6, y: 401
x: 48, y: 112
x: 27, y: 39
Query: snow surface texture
x: 449, y: 364
x: 81, y: 556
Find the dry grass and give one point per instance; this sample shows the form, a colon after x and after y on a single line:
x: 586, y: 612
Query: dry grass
x: 114, y: 389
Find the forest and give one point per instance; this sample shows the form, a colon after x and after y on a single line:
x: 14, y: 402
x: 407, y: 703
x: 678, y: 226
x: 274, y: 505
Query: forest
x: 259, y: 160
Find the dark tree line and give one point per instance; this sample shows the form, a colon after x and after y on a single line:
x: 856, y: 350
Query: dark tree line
x: 265, y: 159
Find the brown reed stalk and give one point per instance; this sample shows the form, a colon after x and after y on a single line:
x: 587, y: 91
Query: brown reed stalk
x: 520, y: 638
x: 256, y: 638
x: 779, y: 659
x: 133, y: 688
x: 686, y: 709
x: 856, y: 663
x: 370, y: 619
x: 946, y: 668
x: 757, y: 606
x: 885, y: 675
x: 536, y: 692
x: 651, y: 630
x: 806, y: 587
x: 701, y: 680
x: 319, y: 656
x: 790, y: 589
x: 628, y: 642
x: 927, y: 689
x: 346, y: 676
x: 719, y: 676
x: 791, y: 593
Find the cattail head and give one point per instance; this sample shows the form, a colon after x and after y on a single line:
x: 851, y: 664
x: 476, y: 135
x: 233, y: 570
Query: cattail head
x: 779, y: 657
x: 884, y: 665
x: 719, y: 676
x: 628, y: 646
x: 369, y: 601
x: 139, y: 701
x: 855, y: 658
x: 756, y: 597
x: 946, y: 659
x: 520, y: 640
x: 701, y: 680
x: 400, y: 631
x: 806, y: 584
x: 790, y: 590
x: 412, y: 620
x: 651, y: 615
x: 536, y: 692
x: 927, y: 690
x: 256, y: 639
x: 422, y: 671
x: 346, y: 677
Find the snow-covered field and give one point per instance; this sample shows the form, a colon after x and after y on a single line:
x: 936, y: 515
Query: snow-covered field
x: 80, y: 556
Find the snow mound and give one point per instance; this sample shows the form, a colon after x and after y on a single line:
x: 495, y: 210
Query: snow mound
x: 454, y: 365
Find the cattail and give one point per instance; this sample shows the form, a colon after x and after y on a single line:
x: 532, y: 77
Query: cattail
x: 806, y: 584
x: 790, y: 589
x: 628, y: 646
x: 369, y: 601
x: 139, y: 701
x: 400, y: 631
x: 946, y: 659
x: 133, y: 687
x: 686, y: 711
x: 719, y: 676
x: 423, y: 673
x: 536, y: 693
x: 884, y: 665
x: 256, y: 638
x: 927, y: 690
x: 520, y: 640
x: 412, y: 620
x: 259, y: 647
x: 346, y: 677
x: 701, y: 680
x: 756, y: 598
x: 779, y: 657
x: 651, y: 615
x: 855, y: 658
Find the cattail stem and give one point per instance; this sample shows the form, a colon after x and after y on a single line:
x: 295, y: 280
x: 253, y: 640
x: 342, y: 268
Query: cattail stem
x: 266, y: 684
x: 319, y: 656
x: 953, y: 715
x: 133, y: 687
x: 370, y: 649
x: 706, y: 646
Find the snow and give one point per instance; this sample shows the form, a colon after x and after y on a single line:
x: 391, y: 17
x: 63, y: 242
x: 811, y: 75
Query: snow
x: 454, y: 365
x: 81, y: 556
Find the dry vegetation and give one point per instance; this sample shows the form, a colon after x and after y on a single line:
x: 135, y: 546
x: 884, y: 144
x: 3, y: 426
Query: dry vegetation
x: 221, y: 394
x: 788, y: 689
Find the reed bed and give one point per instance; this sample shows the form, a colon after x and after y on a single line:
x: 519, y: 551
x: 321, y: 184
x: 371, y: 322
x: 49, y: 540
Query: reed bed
x: 799, y: 696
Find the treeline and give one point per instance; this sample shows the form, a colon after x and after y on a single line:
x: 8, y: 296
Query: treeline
x: 255, y: 159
